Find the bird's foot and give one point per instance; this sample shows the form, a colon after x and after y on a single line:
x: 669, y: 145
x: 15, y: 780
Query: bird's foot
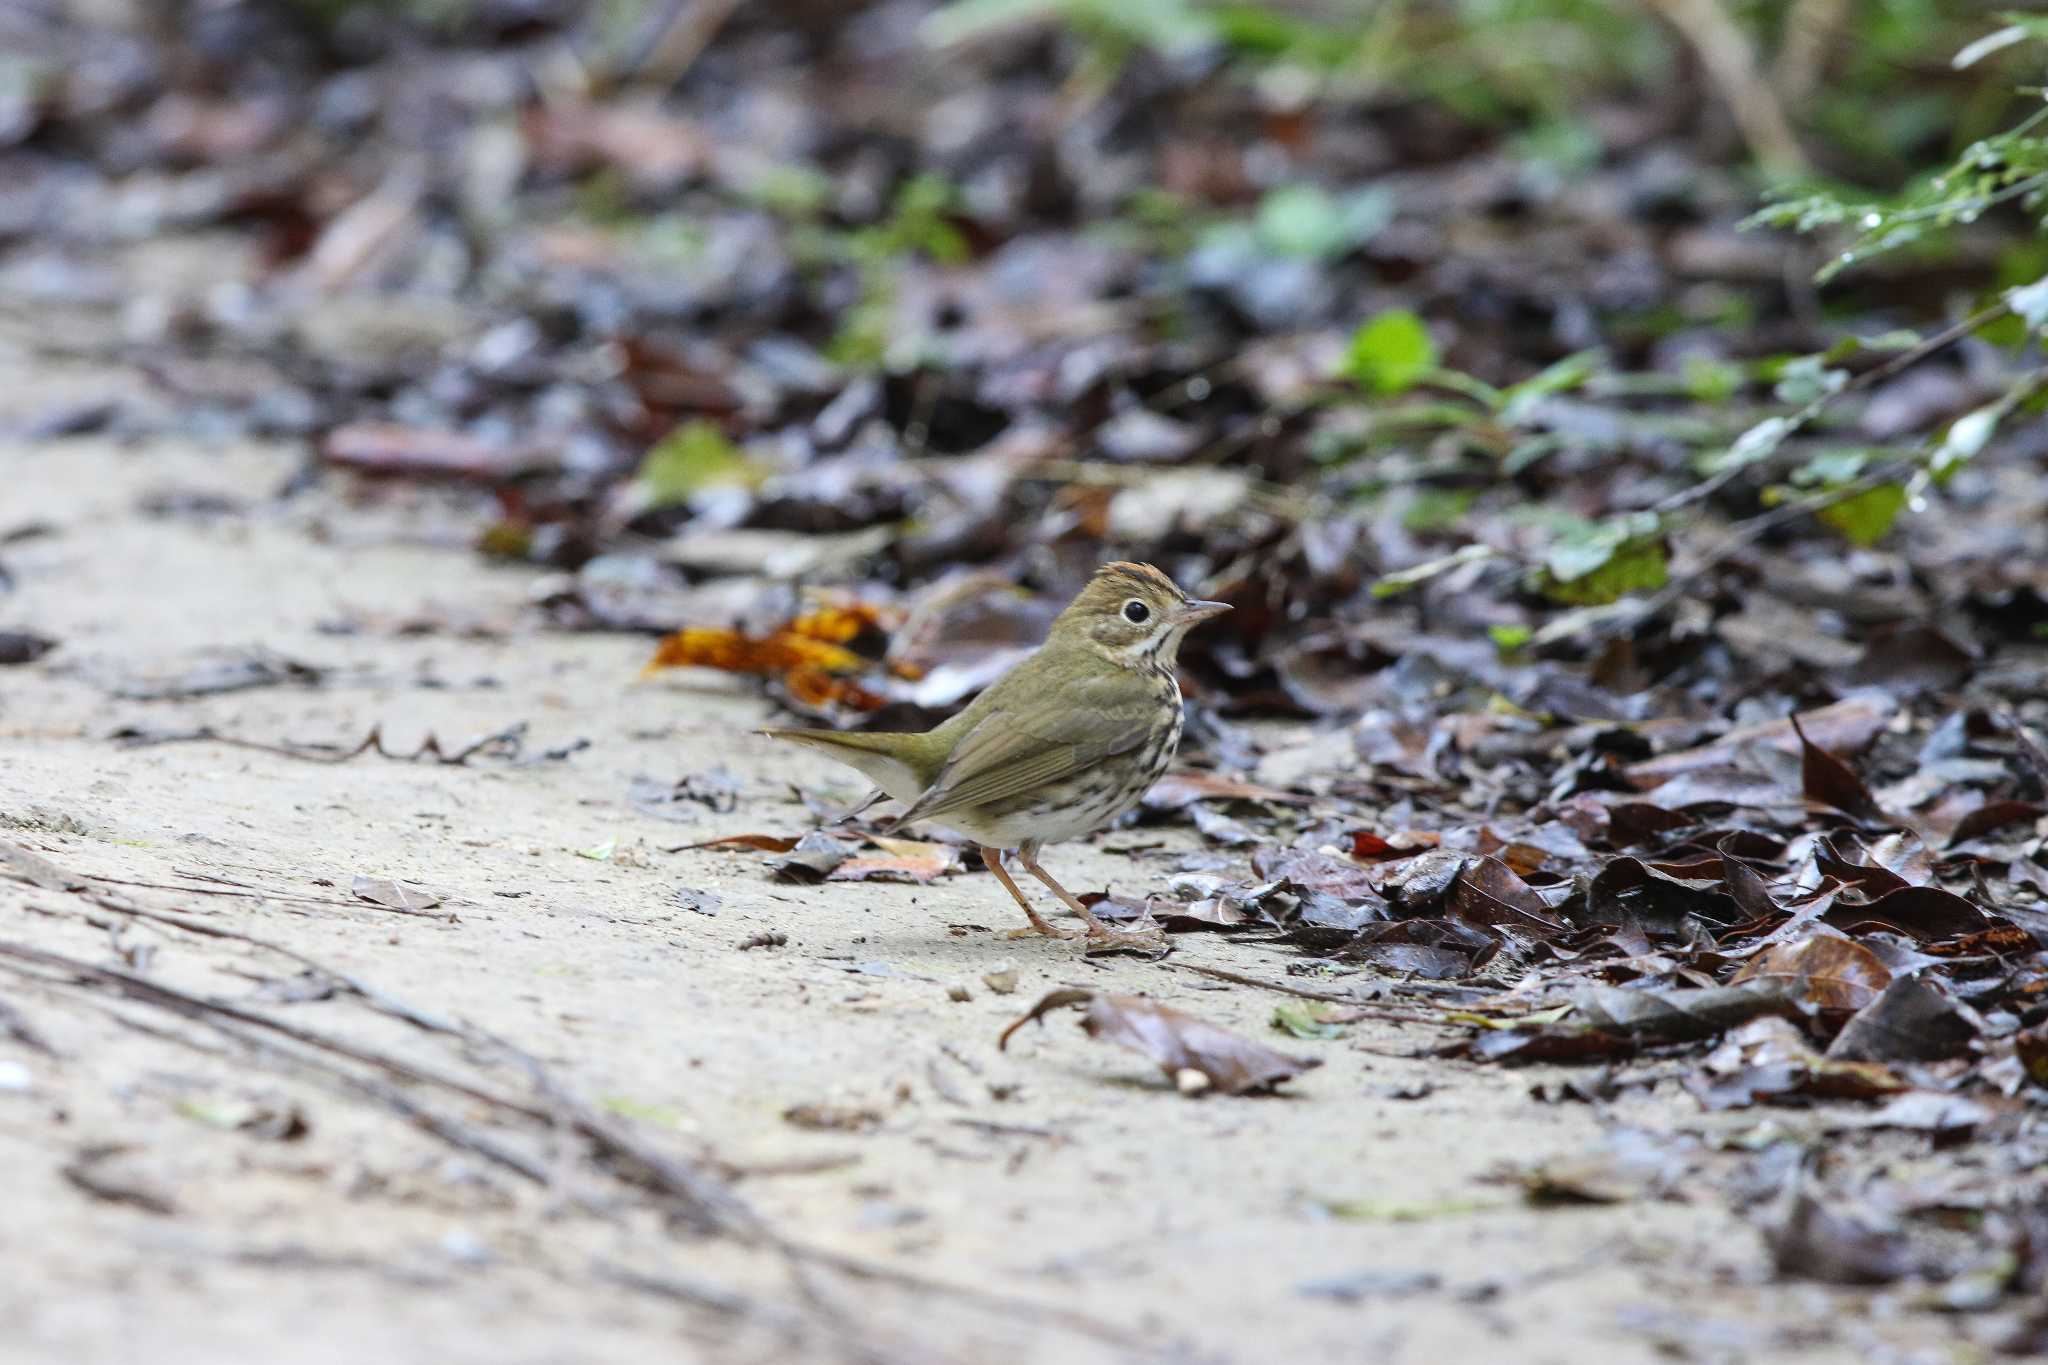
x: 1150, y: 940
x: 1041, y: 929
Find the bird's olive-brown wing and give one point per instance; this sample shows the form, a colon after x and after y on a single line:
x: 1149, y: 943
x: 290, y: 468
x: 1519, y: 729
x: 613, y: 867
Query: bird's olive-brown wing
x: 1025, y: 742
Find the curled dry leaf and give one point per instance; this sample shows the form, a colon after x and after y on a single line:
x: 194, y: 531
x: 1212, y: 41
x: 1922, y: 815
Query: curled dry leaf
x: 810, y: 653
x: 899, y: 860
x: 1827, y: 971
x: 1828, y: 780
x: 1194, y: 1054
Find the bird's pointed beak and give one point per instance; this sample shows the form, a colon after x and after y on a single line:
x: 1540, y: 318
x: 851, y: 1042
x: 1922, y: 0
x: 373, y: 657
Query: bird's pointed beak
x: 1188, y: 613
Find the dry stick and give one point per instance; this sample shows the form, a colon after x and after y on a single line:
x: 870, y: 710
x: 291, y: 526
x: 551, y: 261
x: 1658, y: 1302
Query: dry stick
x: 708, y: 1204
x: 1731, y: 64
x: 210, y: 1012
x: 509, y: 738
x: 205, y: 1012
x: 1377, y: 1011
x: 249, y: 894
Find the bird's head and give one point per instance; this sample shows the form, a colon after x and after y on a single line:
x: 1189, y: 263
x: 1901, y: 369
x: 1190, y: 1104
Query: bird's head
x: 1133, y: 613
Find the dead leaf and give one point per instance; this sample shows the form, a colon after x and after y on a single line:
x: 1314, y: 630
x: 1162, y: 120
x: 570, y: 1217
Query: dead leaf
x: 1194, y: 1054
x: 1813, y: 1240
x: 233, y: 672
x: 764, y: 843
x: 1674, y: 1015
x: 390, y: 449
x: 901, y: 860
x: 813, y: 858
x: 832, y: 1118
x: 1831, y: 782
x: 809, y: 654
x: 1177, y: 790
x: 1847, y: 725
x: 20, y: 647
x: 403, y: 897
x: 1826, y: 970
x: 1913, y: 1019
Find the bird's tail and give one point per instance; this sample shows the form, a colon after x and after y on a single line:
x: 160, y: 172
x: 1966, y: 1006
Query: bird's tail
x: 876, y: 755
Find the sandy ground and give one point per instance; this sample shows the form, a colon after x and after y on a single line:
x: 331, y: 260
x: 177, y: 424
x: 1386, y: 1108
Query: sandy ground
x: 1120, y: 1219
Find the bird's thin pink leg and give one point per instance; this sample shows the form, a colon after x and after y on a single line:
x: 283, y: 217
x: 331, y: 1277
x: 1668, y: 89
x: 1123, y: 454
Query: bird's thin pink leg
x: 993, y: 859
x: 1097, y: 930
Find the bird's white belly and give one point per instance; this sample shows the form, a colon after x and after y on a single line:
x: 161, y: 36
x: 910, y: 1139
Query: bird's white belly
x: 1010, y: 831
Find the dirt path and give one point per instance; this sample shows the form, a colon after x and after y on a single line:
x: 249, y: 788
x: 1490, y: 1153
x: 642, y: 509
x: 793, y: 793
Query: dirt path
x: 177, y: 1194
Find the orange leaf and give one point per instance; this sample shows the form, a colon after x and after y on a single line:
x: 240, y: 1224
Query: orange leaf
x: 814, y: 687
x: 731, y: 652
x: 838, y: 623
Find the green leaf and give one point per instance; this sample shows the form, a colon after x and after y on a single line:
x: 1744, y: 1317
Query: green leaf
x: 1967, y: 436
x: 1831, y: 468
x: 690, y: 459
x: 1760, y: 442
x: 2030, y: 302
x: 1711, y: 381
x: 1305, y: 220
x: 1592, y: 574
x: 1393, y: 584
x: 1848, y: 348
x: 1304, y: 1019
x: 1560, y: 377
x: 1806, y: 379
x: 1436, y: 509
x: 1867, y: 517
x: 1390, y: 354
x: 1508, y: 639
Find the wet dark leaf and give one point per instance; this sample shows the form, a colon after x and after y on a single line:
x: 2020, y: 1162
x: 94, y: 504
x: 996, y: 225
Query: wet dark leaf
x: 813, y: 858
x: 1831, y: 782
x: 1811, y: 1239
x: 1913, y: 1019
x: 20, y: 647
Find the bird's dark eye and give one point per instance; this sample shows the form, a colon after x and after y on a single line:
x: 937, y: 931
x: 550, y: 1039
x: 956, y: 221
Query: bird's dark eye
x: 1136, y: 612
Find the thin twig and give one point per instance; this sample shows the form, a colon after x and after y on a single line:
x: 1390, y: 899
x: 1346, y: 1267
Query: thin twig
x: 688, y: 1189
x: 504, y: 743
x: 1378, y: 1011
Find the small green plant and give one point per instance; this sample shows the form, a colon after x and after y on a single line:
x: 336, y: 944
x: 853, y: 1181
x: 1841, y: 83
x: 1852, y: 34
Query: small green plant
x: 921, y: 222
x: 2010, y: 167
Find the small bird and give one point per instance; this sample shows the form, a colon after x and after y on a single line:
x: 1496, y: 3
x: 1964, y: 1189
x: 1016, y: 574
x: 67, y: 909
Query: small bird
x: 1065, y: 742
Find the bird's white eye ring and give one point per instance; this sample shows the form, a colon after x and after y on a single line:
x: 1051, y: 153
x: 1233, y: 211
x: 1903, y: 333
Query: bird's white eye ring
x: 1136, y: 612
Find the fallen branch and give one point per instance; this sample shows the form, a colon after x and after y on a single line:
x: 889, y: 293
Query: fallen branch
x: 505, y: 744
